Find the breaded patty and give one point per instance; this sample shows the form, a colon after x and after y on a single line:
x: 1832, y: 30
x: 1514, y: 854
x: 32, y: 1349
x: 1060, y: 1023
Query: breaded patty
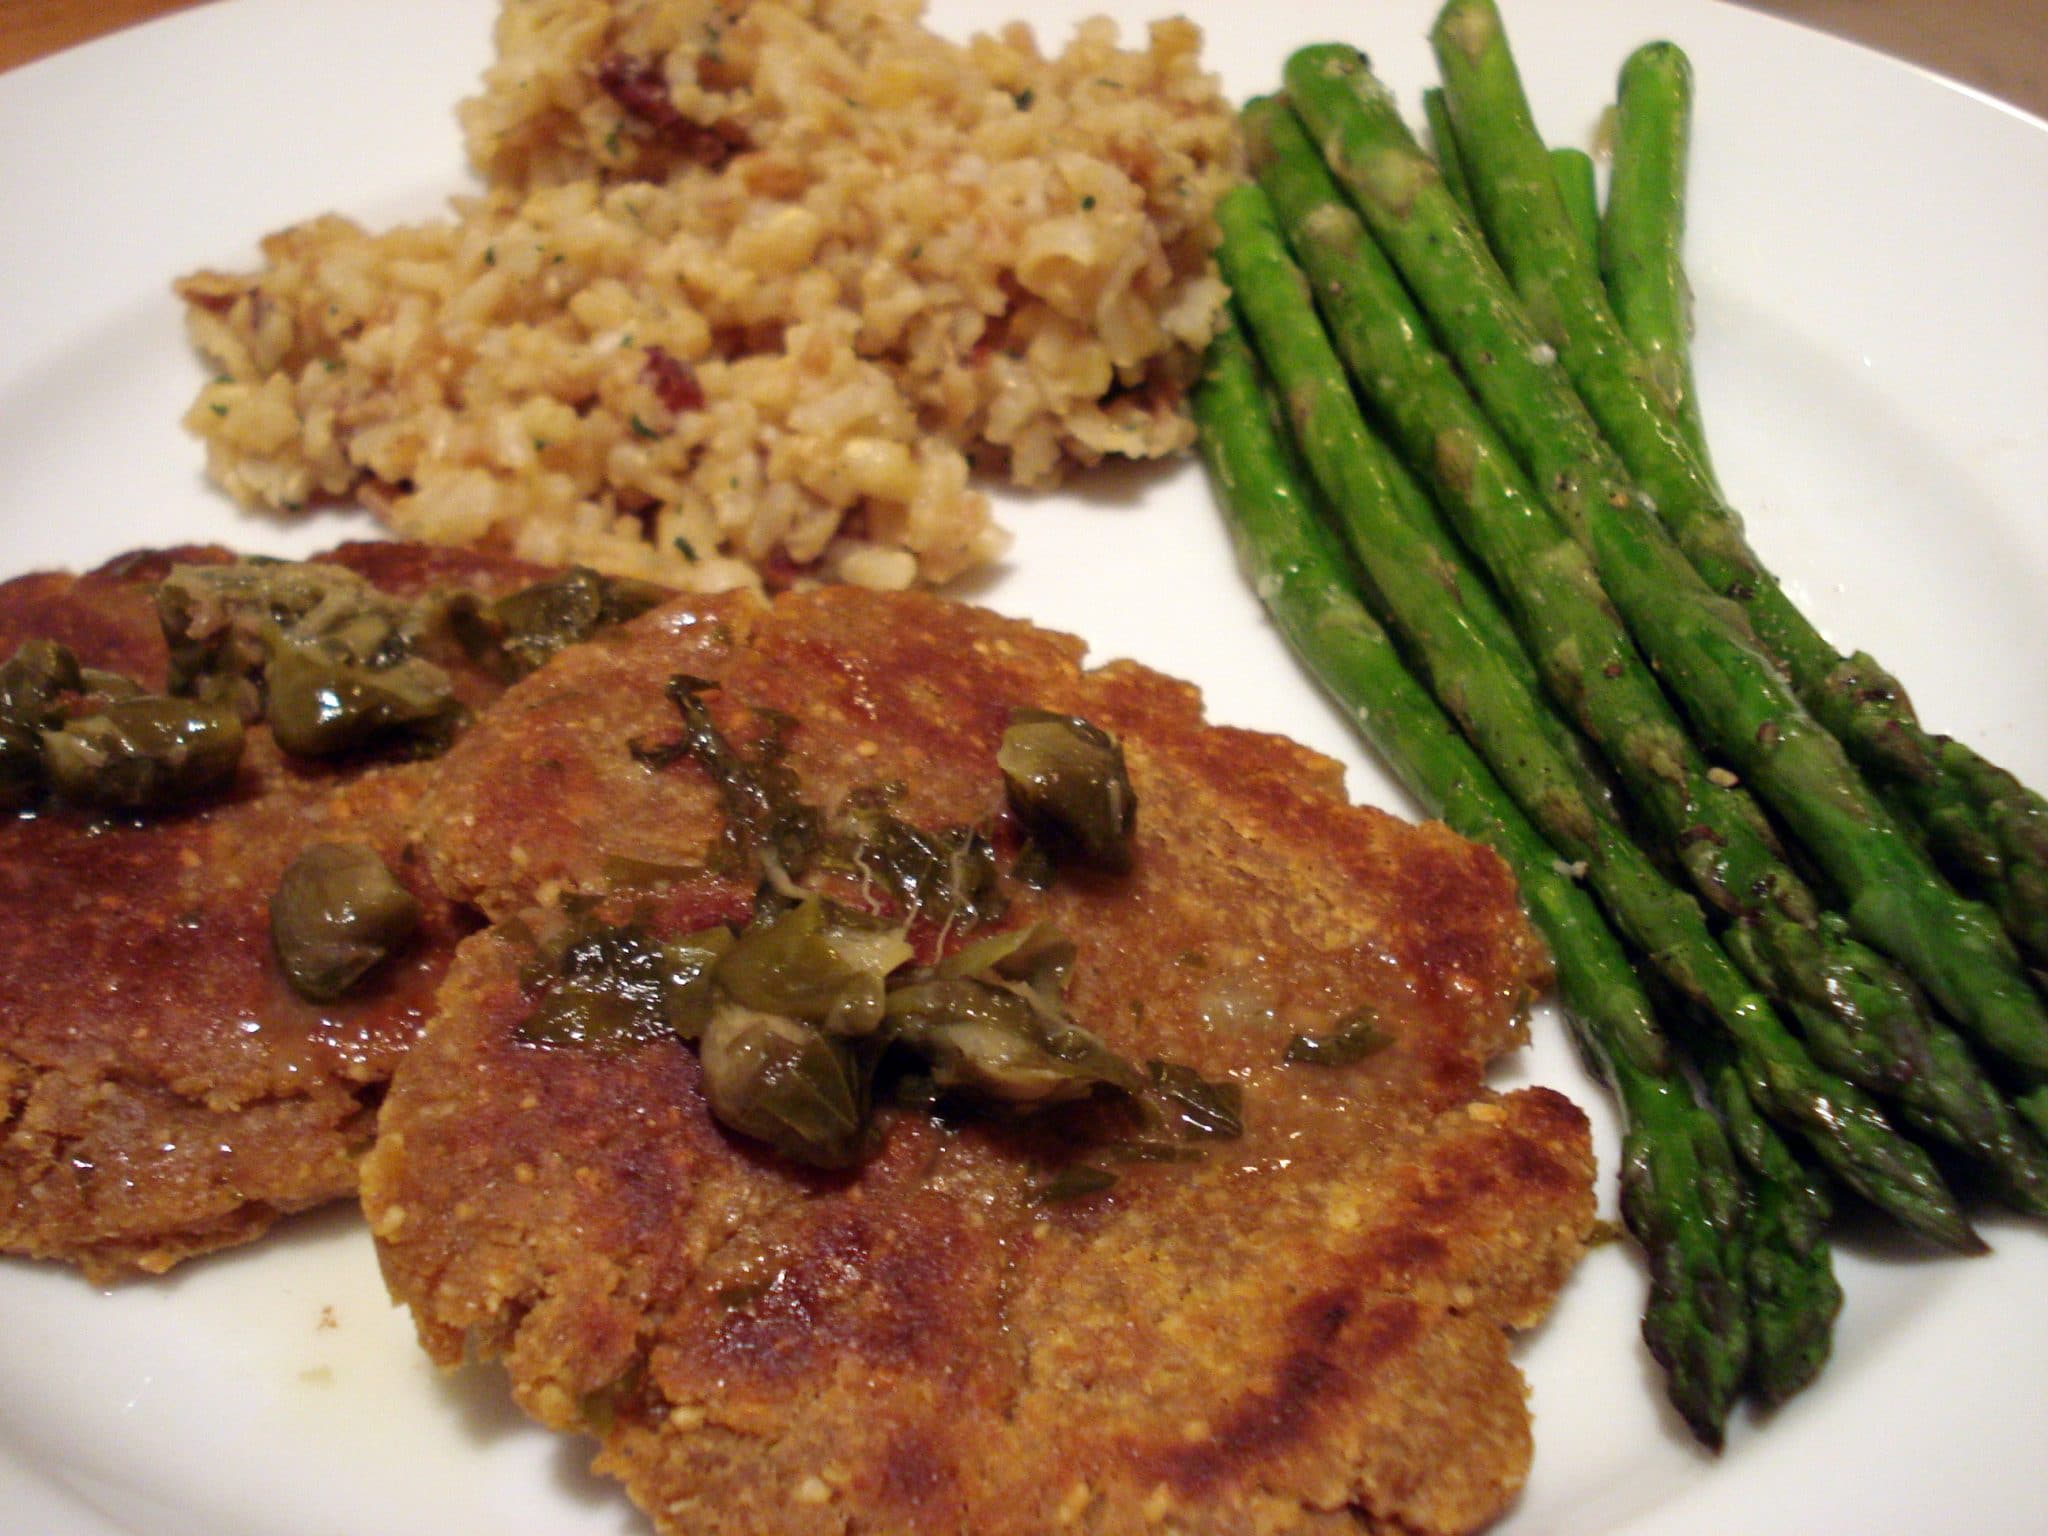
x: 165, y: 1092
x: 1302, y: 1329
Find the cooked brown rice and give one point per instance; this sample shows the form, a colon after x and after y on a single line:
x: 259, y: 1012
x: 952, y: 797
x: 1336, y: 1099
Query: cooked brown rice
x: 747, y: 286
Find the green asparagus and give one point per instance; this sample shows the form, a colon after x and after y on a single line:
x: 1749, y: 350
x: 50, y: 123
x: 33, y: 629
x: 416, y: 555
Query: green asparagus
x: 1579, y: 187
x: 1989, y: 830
x: 1432, y: 601
x: 1681, y: 1191
x: 1643, y: 230
x: 1793, y: 1294
x: 1443, y: 142
x: 1860, y: 1016
x: 1700, y: 643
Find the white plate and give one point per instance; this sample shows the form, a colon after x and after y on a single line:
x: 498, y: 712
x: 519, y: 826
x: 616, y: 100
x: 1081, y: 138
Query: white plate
x: 1870, y: 247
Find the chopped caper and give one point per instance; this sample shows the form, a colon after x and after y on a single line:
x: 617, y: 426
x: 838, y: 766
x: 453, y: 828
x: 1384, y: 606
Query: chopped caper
x: 1040, y: 956
x: 778, y: 1080
x: 522, y: 630
x: 1353, y: 1040
x: 325, y: 655
x: 21, y: 765
x: 223, y: 621
x: 143, y: 753
x: 32, y: 680
x: 108, y: 685
x: 1067, y: 783
x: 321, y: 703
x: 806, y: 965
x: 990, y: 1042
x: 337, y: 912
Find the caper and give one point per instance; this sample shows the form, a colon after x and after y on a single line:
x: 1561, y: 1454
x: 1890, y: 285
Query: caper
x: 32, y: 679
x: 1067, y: 782
x: 21, y: 765
x: 144, y: 753
x: 990, y: 1042
x: 321, y: 703
x: 31, y: 682
x: 522, y: 630
x: 805, y: 966
x: 335, y: 915
x: 323, y: 653
x: 221, y: 621
x: 108, y: 685
x: 778, y: 1080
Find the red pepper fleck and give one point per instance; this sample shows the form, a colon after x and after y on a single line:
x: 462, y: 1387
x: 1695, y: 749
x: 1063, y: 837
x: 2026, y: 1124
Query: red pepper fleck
x: 673, y: 382
x: 640, y: 88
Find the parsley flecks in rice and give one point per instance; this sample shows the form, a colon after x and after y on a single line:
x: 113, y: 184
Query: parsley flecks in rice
x: 756, y: 281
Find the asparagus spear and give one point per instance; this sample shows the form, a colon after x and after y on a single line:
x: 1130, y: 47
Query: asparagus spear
x: 1443, y: 141
x: 1579, y: 187
x: 1793, y: 1295
x: 1990, y: 831
x: 1681, y: 1193
x: 1432, y: 601
x: 1701, y: 643
x: 1860, y: 1016
x: 1644, y: 228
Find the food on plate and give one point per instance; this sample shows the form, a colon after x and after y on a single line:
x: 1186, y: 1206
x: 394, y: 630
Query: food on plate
x: 195, y: 1026
x: 1681, y: 1186
x: 1267, y: 1284
x: 746, y: 290
x: 1438, y: 406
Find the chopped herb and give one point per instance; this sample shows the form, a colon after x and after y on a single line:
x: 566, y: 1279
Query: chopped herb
x: 490, y: 255
x: 1023, y: 98
x: 1194, y: 1107
x: 218, y: 409
x: 1087, y: 203
x: 540, y: 445
x: 1353, y: 1040
x: 518, y: 632
x: 641, y: 429
x: 611, y: 142
x: 917, y: 250
x: 767, y: 824
x: 685, y: 548
x: 1076, y: 1181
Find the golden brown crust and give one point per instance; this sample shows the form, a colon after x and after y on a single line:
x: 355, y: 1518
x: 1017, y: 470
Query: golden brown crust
x: 163, y: 1092
x: 1307, y: 1327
